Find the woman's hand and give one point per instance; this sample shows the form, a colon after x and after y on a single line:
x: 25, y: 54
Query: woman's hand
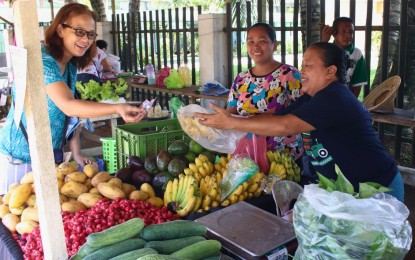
x: 131, y: 114
x: 82, y: 160
x: 222, y: 119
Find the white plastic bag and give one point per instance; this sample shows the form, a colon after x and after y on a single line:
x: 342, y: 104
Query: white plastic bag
x: 336, y: 225
x: 222, y: 141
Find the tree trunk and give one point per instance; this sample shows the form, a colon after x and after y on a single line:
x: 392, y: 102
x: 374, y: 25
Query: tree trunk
x: 99, y: 7
x: 134, y: 6
x: 315, y: 20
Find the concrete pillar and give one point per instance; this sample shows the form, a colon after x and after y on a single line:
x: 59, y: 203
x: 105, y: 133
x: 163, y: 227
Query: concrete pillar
x: 212, y: 48
x: 103, y: 30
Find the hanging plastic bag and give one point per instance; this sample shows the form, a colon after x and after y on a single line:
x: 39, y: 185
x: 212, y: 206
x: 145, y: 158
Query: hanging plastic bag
x: 175, y: 104
x: 240, y: 168
x: 174, y: 80
x: 336, y: 225
x: 219, y: 140
x: 161, y: 75
x: 255, y: 146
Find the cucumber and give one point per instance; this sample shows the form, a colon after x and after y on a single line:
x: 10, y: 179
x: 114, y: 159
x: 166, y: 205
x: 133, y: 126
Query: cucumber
x: 116, y: 249
x: 134, y: 254
x: 116, y: 233
x: 159, y: 257
x: 172, y: 230
x: 199, y: 250
x: 82, y: 251
x: 172, y: 245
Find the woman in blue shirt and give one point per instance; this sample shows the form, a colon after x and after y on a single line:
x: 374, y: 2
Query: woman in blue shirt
x: 69, y: 44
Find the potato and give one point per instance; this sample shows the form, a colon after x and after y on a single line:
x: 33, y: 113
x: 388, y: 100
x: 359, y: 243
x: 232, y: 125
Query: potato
x: 127, y: 188
x: 76, y: 176
x: 94, y: 190
x: 30, y: 213
x: 26, y: 226
x: 67, y: 167
x: 27, y: 178
x: 10, y: 221
x: 4, y: 209
x: 116, y: 181
x: 100, y: 177
x: 138, y: 195
x: 73, y: 189
x: 31, y: 201
x: 62, y: 198
x: 73, y: 206
x: 20, y: 195
x: 17, y: 211
x: 89, y: 199
x: 60, y: 183
x: 7, y: 196
x: 59, y: 175
x: 90, y: 170
x: 110, y: 191
x: 156, y: 201
x: 149, y: 189
x: 88, y: 183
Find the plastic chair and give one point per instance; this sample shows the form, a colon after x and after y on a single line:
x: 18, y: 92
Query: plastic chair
x: 285, y: 193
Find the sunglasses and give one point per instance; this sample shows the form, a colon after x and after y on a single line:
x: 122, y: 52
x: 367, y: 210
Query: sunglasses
x: 81, y: 32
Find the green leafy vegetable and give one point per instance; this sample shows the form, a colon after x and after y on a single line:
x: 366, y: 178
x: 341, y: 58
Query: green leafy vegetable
x: 95, y: 91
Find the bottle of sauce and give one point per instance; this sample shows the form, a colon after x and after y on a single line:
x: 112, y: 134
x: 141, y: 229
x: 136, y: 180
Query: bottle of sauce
x: 157, y: 110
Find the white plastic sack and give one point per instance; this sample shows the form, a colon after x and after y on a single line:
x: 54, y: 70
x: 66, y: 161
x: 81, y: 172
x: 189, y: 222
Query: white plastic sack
x: 335, y: 225
x: 219, y: 140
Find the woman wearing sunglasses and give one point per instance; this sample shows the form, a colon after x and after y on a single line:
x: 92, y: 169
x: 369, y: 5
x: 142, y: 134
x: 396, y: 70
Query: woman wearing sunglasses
x: 69, y: 44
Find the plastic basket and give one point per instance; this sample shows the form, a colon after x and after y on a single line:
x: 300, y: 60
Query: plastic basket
x: 146, y: 139
x: 109, y: 154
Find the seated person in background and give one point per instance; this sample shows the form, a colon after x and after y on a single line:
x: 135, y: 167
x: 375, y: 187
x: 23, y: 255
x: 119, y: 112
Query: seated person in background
x: 342, y: 31
x: 267, y: 87
x: 94, y: 70
x: 112, y: 60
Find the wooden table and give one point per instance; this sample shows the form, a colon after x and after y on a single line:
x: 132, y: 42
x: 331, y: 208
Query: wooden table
x: 401, y: 117
x: 192, y: 92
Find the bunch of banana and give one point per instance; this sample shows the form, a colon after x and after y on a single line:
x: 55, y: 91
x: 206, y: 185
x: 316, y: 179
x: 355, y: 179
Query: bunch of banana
x: 223, y: 163
x: 248, y: 189
x: 202, y: 167
x: 182, y: 195
x: 210, y: 191
x: 283, y: 165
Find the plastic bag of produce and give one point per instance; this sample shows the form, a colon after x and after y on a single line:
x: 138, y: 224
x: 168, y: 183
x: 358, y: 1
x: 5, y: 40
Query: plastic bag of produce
x: 219, y: 140
x: 240, y: 168
x: 336, y: 225
x: 256, y: 147
x: 174, y: 80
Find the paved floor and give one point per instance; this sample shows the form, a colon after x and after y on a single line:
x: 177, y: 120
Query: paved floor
x: 104, y: 131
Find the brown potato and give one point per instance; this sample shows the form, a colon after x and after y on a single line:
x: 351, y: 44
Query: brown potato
x: 88, y: 183
x: 26, y: 226
x: 138, y: 195
x: 30, y: 213
x: 90, y: 170
x: 73, y: 206
x: 94, y: 190
x: 100, y: 177
x: 89, y: 199
x: 127, y: 189
x: 116, y: 181
x: 110, y: 191
x: 59, y: 175
x: 76, y: 176
x: 10, y: 221
x: 73, y: 189
x: 67, y: 167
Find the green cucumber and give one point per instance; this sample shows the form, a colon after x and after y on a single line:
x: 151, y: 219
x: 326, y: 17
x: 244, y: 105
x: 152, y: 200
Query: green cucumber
x: 82, y: 251
x: 159, y: 257
x: 172, y: 230
x: 199, y: 250
x: 107, y: 252
x: 116, y: 233
x: 173, y: 245
x: 134, y: 254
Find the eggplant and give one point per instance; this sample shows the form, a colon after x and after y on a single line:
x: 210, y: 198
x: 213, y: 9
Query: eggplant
x: 141, y: 176
x: 135, y: 163
x: 125, y: 175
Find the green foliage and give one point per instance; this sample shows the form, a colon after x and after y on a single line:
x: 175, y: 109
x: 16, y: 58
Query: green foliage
x: 95, y: 91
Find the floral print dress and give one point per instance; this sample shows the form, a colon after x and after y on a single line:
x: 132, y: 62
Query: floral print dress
x: 251, y: 94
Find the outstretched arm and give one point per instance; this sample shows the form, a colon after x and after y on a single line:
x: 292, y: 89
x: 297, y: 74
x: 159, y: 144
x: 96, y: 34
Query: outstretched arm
x: 267, y: 125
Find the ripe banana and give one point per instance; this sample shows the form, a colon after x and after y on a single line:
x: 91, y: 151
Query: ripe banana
x: 168, y: 193
x: 206, y: 201
x: 175, y: 189
x: 193, y: 167
x: 198, y: 162
x: 190, y: 205
x: 188, y: 171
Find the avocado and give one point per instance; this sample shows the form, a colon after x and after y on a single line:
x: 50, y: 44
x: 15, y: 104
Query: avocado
x: 150, y: 164
x: 176, y: 166
x: 163, y: 159
x: 190, y: 156
x: 161, y: 178
x: 140, y: 177
x: 178, y: 147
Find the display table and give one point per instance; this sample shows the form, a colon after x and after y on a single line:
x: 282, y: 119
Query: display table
x: 191, y: 92
x: 402, y: 117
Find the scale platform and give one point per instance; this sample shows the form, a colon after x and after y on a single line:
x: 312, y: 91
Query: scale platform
x: 247, y: 231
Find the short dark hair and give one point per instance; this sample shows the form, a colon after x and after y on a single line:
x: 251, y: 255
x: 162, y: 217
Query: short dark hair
x: 331, y: 54
x: 340, y: 20
x: 270, y: 30
x: 101, y: 44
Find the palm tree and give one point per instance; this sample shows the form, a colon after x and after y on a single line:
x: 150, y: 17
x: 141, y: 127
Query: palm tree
x: 99, y: 7
x: 314, y: 35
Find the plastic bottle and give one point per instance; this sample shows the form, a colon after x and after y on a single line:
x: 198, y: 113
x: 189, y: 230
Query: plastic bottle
x: 157, y: 110
x: 151, y: 76
x: 184, y: 72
